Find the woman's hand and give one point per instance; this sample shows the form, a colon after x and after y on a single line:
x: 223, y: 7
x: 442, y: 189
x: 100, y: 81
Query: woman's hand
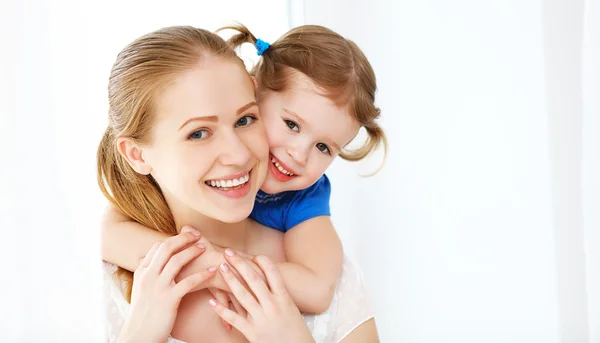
x: 155, y: 295
x: 271, y: 312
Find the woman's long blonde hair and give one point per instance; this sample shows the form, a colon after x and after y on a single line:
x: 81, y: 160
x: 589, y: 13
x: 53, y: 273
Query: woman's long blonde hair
x: 141, y: 69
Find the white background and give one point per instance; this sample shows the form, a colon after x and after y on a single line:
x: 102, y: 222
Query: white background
x: 482, y: 227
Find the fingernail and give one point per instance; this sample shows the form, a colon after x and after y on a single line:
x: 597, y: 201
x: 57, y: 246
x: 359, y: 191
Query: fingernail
x: 212, y: 269
x: 201, y: 245
x: 224, y: 267
x: 212, y: 302
x: 229, y: 252
x: 190, y: 230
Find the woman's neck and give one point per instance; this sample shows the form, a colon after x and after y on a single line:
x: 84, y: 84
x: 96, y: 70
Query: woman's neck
x: 226, y: 235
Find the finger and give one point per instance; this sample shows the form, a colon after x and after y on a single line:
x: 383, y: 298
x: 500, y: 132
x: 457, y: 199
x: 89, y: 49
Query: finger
x: 237, y: 306
x: 169, y: 248
x: 190, y: 229
x: 178, y: 261
x: 272, y: 274
x: 228, y: 326
x: 186, y: 285
x: 221, y: 297
x: 145, y: 262
x: 245, y: 298
x: 255, y: 283
x: 232, y: 318
x: 245, y: 255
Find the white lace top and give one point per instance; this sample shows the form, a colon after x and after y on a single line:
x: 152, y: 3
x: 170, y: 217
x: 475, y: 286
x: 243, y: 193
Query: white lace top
x: 350, y: 307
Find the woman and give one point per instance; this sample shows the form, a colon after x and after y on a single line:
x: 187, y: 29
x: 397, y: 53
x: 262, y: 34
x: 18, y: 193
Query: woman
x: 182, y: 114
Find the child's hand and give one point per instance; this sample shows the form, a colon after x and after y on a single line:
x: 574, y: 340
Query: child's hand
x: 213, y: 256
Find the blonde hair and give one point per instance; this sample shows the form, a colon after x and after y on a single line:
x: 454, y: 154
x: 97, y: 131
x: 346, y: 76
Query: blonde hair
x: 334, y: 63
x: 142, y: 68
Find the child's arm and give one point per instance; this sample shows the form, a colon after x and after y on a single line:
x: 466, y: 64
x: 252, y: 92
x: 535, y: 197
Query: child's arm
x: 314, y: 263
x: 125, y: 242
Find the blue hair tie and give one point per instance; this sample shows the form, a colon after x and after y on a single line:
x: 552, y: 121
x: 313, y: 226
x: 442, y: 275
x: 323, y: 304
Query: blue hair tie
x: 261, y: 46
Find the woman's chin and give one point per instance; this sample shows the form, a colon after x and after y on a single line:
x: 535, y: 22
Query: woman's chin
x: 232, y: 215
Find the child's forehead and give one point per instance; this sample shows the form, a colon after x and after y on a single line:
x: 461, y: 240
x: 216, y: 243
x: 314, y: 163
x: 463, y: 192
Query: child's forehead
x: 307, y: 100
x: 298, y: 82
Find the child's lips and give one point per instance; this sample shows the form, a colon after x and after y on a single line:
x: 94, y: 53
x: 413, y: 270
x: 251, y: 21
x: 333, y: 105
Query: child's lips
x: 282, y: 167
x: 279, y: 172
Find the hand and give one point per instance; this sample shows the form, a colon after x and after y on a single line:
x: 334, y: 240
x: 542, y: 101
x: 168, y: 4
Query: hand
x: 227, y: 298
x: 155, y: 295
x: 213, y: 256
x: 270, y: 318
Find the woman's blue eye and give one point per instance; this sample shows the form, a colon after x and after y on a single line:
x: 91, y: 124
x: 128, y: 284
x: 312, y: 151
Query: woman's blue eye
x: 245, y: 121
x: 292, y: 125
x: 200, y: 134
x: 323, y: 148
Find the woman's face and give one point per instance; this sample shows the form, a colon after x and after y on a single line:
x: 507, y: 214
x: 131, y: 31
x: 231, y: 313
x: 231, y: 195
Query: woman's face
x: 208, y: 149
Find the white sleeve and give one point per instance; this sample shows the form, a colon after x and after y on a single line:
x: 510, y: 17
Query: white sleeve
x: 351, y: 306
x: 116, y: 307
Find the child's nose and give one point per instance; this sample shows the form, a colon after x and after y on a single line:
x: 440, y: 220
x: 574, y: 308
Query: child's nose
x: 299, y: 154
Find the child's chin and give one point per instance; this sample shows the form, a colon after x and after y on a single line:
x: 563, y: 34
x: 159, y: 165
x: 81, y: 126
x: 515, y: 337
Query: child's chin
x: 272, y: 186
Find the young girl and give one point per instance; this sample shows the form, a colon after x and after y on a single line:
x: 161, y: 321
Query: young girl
x: 315, y: 90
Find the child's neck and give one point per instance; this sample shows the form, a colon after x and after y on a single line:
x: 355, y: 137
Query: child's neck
x: 225, y: 235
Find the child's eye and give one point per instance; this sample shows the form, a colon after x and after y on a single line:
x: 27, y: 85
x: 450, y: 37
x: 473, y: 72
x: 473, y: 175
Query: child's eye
x: 200, y: 134
x: 245, y: 121
x: 323, y: 148
x: 292, y: 125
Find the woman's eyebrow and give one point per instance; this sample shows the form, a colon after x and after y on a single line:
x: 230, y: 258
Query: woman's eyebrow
x: 204, y: 118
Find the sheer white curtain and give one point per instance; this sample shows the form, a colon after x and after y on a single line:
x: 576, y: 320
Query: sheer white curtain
x: 56, y: 58
x: 483, y: 226
x: 591, y: 161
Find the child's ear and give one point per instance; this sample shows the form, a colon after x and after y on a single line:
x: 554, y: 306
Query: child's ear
x: 132, y: 153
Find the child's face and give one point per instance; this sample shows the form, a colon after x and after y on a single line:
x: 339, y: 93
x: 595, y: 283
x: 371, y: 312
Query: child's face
x: 205, y: 135
x: 305, y: 131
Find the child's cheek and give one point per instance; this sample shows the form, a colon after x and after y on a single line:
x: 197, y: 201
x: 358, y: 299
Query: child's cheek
x: 274, y: 137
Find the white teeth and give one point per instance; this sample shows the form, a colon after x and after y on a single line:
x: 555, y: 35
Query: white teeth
x: 280, y: 168
x: 229, y: 183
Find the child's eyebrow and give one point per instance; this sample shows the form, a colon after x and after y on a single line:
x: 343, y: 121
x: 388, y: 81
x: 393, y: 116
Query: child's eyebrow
x: 297, y: 117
